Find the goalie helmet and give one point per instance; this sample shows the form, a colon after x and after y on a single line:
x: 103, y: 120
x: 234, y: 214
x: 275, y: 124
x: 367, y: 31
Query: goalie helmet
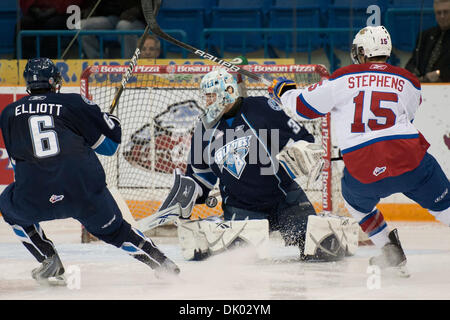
x: 371, y: 42
x: 218, y: 88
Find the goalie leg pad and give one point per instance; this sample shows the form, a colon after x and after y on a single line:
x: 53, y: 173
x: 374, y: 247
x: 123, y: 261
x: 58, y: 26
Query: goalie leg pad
x: 291, y: 217
x: 202, y: 238
x: 330, y: 238
x: 184, y: 192
x: 193, y: 243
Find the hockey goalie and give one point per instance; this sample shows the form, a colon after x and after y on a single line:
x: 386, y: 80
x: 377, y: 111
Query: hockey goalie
x: 259, y: 196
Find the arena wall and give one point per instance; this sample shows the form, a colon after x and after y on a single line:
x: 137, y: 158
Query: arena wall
x: 432, y: 119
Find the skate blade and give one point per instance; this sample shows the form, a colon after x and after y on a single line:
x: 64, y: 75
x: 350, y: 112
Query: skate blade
x: 58, y: 281
x: 166, y: 276
x: 396, y: 272
x: 403, y: 272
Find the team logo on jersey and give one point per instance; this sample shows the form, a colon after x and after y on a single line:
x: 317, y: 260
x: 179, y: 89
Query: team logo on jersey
x: 55, y: 198
x: 273, y: 104
x: 33, y: 98
x: 377, y: 171
x: 378, y: 66
x: 232, y: 156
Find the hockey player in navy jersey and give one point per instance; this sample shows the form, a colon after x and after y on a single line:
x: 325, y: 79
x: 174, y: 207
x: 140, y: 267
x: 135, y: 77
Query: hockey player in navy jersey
x: 236, y: 144
x: 52, y: 140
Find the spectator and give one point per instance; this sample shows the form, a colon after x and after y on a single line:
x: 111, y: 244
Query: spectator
x: 116, y: 15
x: 43, y: 15
x: 431, y: 57
x: 151, y: 48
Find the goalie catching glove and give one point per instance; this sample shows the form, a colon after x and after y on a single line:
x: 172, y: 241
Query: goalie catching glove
x: 279, y: 86
x: 302, y: 158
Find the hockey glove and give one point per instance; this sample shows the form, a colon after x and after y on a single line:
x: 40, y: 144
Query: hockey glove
x: 279, y: 86
x: 302, y: 159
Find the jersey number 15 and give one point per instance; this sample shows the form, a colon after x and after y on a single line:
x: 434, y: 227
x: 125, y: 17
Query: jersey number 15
x: 375, y: 98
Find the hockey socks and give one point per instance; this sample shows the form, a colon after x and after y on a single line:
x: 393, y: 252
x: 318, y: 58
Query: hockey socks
x: 143, y: 249
x: 34, y: 239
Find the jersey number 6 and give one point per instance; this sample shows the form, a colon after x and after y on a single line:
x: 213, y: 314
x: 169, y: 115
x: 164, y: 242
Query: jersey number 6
x: 377, y: 110
x: 45, y: 143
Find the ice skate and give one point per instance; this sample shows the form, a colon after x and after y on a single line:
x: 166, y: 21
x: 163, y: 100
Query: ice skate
x: 167, y: 269
x: 392, y: 256
x: 51, y: 272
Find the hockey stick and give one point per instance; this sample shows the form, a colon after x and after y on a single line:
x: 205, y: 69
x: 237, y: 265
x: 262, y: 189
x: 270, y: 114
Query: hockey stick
x: 159, y: 218
x: 150, y: 17
x: 134, y: 58
x: 79, y: 30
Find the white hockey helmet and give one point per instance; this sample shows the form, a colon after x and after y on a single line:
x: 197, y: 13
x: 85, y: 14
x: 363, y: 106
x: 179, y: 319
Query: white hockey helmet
x: 222, y: 89
x: 371, y: 42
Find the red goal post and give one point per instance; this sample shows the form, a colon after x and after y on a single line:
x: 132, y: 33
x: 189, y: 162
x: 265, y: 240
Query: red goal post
x: 142, y: 167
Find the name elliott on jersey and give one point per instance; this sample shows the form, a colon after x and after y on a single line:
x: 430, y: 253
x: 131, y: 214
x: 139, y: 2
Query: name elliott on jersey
x: 31, y: 108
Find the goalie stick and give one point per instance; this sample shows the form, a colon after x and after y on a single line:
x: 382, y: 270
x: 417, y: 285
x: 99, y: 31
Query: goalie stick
x: 160, y: 218
x: 134, y: 58
x: 150, y: 17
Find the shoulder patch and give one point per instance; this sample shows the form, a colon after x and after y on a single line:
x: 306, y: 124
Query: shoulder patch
x: 273, y: 104
x: 88, y: 101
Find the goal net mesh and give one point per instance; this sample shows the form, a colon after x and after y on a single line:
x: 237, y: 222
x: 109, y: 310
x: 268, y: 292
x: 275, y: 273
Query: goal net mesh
x: 158, y: 110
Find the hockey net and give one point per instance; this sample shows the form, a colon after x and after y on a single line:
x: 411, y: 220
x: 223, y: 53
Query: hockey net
x: 158, y: 111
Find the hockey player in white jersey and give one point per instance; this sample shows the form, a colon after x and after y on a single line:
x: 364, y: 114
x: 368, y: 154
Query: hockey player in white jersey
x: 372, y: 105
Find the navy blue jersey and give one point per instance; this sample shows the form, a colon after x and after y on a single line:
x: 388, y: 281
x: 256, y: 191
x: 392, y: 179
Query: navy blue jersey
x: 51, y: 140
x: 240, y: 151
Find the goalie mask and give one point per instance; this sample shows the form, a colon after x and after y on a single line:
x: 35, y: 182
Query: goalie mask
x: 218, y: 88
x: 371, y: 42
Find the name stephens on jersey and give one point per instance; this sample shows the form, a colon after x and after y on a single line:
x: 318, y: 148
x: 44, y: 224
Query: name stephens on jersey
x: 371, y: 80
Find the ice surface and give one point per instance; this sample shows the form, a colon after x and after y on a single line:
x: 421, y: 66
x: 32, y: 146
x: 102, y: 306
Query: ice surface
x: 106, y: 272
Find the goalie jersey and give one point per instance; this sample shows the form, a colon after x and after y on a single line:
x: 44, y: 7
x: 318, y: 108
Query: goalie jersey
x: 240, y: 151
x: 51, y: 140
x: 372, y: 108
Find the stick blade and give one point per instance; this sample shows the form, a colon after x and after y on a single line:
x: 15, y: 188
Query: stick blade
x: 150, y: 9
x: 160, y: 218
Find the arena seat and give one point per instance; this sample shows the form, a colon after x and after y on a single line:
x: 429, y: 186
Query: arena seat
x: 190, y: 16
x: 8, y: 12
x: 350, y: 14
x: 307, y: 15
x: 411, y: 3
x: 405, y: 20
x: 232, y: 14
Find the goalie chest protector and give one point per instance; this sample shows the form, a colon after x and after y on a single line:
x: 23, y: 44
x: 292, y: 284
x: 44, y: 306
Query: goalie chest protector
x: 240, y: 151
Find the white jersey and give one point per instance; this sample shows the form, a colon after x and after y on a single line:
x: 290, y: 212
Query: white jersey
x: 372, y: 107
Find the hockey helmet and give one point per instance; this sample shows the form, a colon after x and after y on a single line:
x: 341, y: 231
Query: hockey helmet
x: 41, y: 73
x: 371, y: 42
x: 218, y: 88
